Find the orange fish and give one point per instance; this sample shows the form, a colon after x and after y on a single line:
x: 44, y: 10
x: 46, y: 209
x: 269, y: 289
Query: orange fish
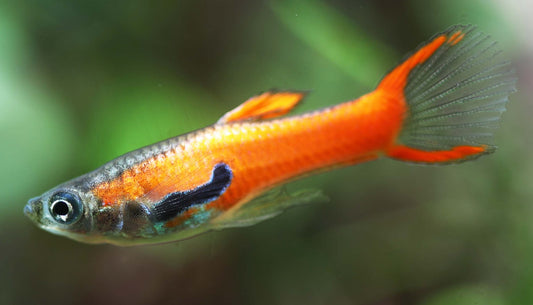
x: 439, y: 106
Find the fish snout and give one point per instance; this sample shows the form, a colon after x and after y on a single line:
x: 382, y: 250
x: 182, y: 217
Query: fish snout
x: 33, y: 208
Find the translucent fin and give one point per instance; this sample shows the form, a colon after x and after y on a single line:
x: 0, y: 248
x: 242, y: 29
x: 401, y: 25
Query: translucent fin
x: 265, y: 106
x: 265, y: 207
x: 455, y: 95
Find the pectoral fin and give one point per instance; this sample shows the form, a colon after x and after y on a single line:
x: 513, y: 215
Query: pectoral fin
x: 265, y: 106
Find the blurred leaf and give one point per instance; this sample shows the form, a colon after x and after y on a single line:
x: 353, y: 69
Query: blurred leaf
x: 336, y: 38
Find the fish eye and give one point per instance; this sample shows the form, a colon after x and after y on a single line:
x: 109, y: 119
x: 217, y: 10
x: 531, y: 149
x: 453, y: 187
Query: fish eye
x: 65, y: 207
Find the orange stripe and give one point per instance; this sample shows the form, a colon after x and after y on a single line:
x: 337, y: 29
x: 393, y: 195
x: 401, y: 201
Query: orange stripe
x: 457, y: 153
x: 397, y: 79
x: 456, y: 37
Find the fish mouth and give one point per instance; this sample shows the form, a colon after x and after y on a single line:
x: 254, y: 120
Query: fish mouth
x: 33, y: 209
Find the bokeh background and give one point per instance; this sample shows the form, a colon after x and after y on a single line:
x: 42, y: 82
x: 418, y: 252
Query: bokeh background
x: 82, y: 82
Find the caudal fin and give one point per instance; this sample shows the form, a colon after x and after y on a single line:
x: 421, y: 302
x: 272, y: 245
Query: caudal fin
x: 456, y: 88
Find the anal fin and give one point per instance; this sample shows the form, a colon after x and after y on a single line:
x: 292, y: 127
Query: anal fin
x: 264, y: 106
x: 265, y: 207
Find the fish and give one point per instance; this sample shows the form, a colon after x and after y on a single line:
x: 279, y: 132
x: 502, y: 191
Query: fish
x: 440, y: 105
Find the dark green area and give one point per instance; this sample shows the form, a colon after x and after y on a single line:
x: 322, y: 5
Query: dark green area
x: 82, y: 82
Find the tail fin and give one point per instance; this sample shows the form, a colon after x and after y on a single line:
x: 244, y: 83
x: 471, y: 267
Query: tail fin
x: 456, y: 89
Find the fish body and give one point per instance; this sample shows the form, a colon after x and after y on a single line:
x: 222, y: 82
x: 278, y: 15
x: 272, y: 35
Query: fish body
x: 438, y: 106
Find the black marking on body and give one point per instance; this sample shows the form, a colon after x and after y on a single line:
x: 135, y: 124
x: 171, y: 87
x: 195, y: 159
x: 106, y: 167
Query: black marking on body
x: 135, y: 218
x: 175, y: 203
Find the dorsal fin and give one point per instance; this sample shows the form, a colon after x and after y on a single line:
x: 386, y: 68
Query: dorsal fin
x: 264, y: 106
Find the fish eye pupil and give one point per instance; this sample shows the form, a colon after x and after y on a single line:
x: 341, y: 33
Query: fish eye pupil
x: 65, y: 207
x: 61, y: 208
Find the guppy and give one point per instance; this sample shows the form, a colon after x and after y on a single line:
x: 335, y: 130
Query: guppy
x: 440, y: 105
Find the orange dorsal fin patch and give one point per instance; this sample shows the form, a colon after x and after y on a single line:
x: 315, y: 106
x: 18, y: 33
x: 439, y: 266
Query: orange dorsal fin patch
x: 264, y: 106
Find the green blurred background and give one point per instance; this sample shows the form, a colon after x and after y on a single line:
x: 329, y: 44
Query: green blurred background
x: 82, y: 82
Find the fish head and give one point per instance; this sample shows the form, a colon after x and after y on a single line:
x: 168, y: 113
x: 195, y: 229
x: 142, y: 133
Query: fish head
x: 64, y: 210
